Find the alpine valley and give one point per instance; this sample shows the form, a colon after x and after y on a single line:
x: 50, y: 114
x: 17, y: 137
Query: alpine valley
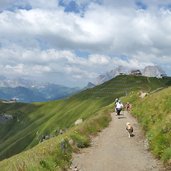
x: 24, y: 90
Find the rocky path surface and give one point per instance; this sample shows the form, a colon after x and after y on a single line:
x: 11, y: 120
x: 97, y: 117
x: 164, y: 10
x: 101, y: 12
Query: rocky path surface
x: 112, y: 150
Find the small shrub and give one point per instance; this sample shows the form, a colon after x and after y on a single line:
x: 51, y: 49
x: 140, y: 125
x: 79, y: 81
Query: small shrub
x: 167, y: 155
x: 80, y: 140
x: 63, y: 155
x: 47, y: 164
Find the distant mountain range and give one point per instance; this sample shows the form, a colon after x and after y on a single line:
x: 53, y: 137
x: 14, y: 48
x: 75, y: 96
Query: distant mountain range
x: 24, y: 90
x: 32, y: 91
x: 148, y: 71
x: 109, y: 75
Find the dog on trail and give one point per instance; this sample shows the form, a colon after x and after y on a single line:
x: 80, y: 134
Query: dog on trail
x: 129, y: 128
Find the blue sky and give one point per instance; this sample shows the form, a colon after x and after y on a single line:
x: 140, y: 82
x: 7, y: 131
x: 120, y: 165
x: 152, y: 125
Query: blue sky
x: 72, y: 42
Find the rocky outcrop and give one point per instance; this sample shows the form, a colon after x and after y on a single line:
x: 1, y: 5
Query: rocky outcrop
x: 5, y: 117
x: 143, y: 94
x: 79, y: 121
x: 153, y: 71
x: 120, y: 70
x: 148, y: 71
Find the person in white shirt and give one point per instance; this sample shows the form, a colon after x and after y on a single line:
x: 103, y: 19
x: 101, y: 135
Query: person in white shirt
x: 119, y: 107
x: 115, y: 102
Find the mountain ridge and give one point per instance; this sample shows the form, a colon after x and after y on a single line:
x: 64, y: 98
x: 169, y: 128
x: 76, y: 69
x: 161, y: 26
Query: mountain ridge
x: 32, y: 91
x: 148, y: 71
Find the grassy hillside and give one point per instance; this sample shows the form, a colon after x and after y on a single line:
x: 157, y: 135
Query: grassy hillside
x: 32, y: 121
x: 154, y: 114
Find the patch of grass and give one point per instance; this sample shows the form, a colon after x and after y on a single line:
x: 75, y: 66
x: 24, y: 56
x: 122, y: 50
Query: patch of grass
x: 154, y: 114
x: 167, y: 155
x: 81, y: 141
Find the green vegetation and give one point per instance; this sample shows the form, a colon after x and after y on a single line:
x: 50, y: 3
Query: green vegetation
x: 154, y: 114
x: 32, y: 121
x: 55, y: 153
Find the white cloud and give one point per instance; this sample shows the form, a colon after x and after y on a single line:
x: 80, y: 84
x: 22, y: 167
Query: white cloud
x: 99, y: 59
x: 112, y: 31
x: 36, y: 63
x: 45, y: 38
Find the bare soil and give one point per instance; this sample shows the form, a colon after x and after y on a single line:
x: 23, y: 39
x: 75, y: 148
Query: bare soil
x: 113, y: 150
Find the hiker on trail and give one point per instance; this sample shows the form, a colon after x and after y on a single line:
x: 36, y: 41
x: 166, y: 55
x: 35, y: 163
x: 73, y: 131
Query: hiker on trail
x: 116, y: 101
x: 119, y: 107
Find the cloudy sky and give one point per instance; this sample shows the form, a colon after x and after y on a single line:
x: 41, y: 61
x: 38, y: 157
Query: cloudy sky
x: 71, y: 42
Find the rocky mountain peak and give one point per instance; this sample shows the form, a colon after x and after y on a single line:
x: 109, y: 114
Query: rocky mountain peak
x: 148, y: 71
x: 109, y: 75
x: 153, y: 71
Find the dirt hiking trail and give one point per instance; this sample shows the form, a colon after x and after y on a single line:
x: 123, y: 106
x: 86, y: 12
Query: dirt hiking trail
x: 113, y: 150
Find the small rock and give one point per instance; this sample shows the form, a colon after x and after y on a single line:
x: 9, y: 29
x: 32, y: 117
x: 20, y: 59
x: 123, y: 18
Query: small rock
x: 146, y: 144
x: 71, y: 142
x: 143, y: 94
x: 61, y: 131
x: 79, y: 121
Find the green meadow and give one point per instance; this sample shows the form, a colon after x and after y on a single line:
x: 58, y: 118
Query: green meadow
x: 20, y: 147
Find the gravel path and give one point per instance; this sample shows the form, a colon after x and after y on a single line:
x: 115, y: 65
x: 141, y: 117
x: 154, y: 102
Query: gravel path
x: 112, y: 150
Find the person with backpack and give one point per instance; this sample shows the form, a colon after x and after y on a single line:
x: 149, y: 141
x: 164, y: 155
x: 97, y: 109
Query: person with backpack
x: 119, y: 107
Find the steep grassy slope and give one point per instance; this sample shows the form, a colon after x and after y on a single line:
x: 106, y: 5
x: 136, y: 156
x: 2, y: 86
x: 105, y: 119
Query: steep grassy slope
x: 154, y: 114
x: 55, y: 153
x: 38, y: 119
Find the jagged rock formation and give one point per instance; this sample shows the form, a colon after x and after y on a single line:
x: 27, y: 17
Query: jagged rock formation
x: 109, y: 75
x: 153, y: 71
x: 148, y: 71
